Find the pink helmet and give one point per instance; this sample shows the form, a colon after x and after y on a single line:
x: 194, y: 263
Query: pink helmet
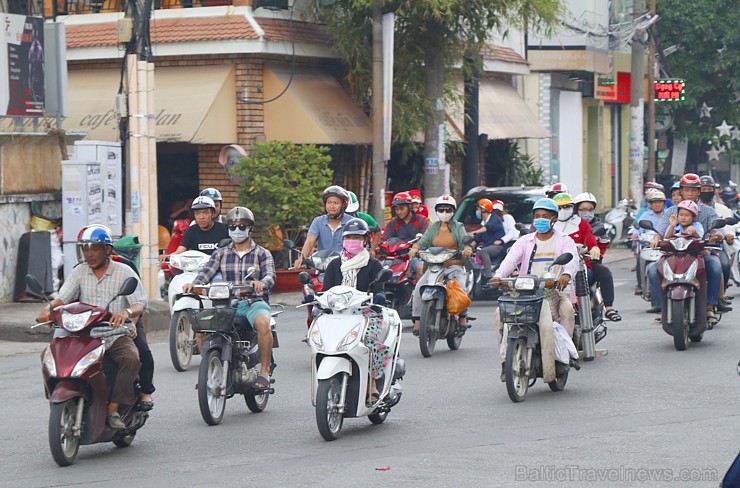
x: 690, y: 206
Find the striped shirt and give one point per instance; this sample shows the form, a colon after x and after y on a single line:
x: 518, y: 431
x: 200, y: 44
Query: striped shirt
x: 233, y: 267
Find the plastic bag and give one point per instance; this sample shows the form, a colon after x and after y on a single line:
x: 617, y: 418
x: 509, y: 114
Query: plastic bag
x: 457, y: 298
x: 564, y: 346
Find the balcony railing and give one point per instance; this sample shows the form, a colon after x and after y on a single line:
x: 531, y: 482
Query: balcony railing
x: 69, y: 7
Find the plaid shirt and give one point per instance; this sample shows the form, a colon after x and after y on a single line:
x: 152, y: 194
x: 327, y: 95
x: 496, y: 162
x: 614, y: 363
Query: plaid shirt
x: 233, y: 268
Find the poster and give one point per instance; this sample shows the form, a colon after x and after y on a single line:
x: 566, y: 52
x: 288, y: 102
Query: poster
x: 22, y: 66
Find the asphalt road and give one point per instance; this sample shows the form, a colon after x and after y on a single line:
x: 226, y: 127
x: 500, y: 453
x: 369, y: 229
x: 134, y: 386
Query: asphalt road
x: 644, y: 415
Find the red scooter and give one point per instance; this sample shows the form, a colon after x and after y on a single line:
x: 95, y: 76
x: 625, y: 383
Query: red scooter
x: 394, y: 255
x: 78, y: 379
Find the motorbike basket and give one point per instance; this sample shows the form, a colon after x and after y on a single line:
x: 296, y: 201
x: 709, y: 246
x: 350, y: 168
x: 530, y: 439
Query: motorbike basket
x: 519, y: 310
x: 212, y: 319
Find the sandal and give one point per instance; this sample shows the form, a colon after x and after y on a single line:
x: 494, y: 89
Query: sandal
x: 613, y: 315
x: 145, y: 406
x: 261, y: 380
x: 711, y: 319
x: 657, y: 321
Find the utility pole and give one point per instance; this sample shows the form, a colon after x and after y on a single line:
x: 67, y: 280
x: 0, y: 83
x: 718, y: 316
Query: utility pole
x: 435, y: 167
x: 378, y: 164
x: 472, y: 142
x: 637, y: 113
x: 651, y: 101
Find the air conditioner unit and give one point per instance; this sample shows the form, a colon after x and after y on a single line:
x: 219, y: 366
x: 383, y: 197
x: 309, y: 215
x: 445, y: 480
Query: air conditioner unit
x: 271, y: 4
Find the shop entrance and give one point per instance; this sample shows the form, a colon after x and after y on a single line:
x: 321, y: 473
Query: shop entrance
x: 177, y: 180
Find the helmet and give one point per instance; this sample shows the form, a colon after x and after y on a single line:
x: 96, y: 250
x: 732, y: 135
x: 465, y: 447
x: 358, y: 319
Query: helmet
x: 555, y: 189
x: 95, y: 234
x: 563, y: 199
x: 486, y: 204
x: 545, y: 204
x: 356, y: 227
x: 212, y: 193
x: 445, y: 200
x: 655, y: 195
x: 415, y: 196
x: 240, y: 213
x: 707, y: 180
x: 353, y: 205
x: 728, y: 193
x: 336, y: 191
x: 690, y: 180
x: 203, y: 202
x: 690, y: 206
x: 653, y: 185
x: 498, y: 205
x: 401, y: 198
x: 675, y: 186
x: 585, y: 197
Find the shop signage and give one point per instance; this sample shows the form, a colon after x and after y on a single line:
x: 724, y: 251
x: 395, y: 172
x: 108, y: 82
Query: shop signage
x: 669, y: 90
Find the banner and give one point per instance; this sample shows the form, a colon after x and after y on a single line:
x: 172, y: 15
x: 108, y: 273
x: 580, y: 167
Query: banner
x: 22, y: 66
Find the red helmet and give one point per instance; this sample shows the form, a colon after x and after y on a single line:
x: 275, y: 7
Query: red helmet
x: 690, y: 180
x: 498, y: 205
x: 486, y: 204
x: 401, y: 198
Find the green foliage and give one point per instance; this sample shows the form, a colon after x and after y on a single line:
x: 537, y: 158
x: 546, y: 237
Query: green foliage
x: 506, y: 165
x: 282, y: 183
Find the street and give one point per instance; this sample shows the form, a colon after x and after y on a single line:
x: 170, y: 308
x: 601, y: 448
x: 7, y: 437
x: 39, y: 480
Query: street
x: 645, y: 414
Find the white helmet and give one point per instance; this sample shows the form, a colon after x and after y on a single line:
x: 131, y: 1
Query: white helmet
x: 653, y: 195
x: 584, y: 197
x: 445, y: 200
x: 203, y: 202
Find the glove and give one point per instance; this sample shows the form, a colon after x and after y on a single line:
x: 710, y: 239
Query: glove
x: 379, y: 299
x: 595, y: 253
x: 467, y: 252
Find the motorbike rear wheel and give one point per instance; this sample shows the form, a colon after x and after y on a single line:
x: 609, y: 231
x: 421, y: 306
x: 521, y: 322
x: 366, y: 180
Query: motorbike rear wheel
x: 211, y: 393
x: 680, y: 323
x: 516, y: 369
x: 454, y: 340
x: 181, y: 341
x: 377, y: 418
x: 62, y: 442
x: 328, y: 417
x: 430, y: 318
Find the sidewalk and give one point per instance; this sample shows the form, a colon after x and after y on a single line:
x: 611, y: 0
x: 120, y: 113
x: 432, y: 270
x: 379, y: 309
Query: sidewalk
x: 16, y: 319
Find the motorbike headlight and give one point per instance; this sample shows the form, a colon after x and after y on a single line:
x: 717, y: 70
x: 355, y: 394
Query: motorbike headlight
x: 691, y: 272
x: 75, y: 322
x: 526, y: 284
x: 47, y: 359
x: 190, y: 263
x: 316, y: 338
x: 88, y: 359
x: 435, y: 258
x: 349, y: 339
x: 667, y: 272
x: 680, y: 244
x: 338, y: 301
x: 219, y: 292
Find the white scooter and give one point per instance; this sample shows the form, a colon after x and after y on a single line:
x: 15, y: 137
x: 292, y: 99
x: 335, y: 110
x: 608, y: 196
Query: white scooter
x: 646, y: 256
x: 340, y: 360
x: 182, y: 339
x: 618, y: 220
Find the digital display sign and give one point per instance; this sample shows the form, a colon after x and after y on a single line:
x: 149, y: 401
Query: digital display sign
x: 669, y: 90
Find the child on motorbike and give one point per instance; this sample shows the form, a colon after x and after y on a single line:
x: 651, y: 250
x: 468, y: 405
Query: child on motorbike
x: 685, y: 222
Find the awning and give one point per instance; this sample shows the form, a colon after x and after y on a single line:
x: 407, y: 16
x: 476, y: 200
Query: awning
x: 502, y: 114
x: 191, y: 104
x: 313, y: 110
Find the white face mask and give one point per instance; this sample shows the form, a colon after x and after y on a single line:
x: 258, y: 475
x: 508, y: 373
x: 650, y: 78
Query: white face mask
x: 444, y: 217
x: 239, y: 236
x: 565, y: 214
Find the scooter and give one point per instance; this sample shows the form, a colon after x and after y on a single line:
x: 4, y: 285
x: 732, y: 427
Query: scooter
x: 618, y: 220
x: 78, y: 378
x: 231, y: 357
x: 645, y: 256
x: 394, y: 255
x: 340, y: 374
x: 312, y: 280
x: 181, y: 337
x: 523, y: 338
x: 590, y: 325
x: 165, y: 272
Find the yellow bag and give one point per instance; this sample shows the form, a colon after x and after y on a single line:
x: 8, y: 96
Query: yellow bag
x: 457, y: 298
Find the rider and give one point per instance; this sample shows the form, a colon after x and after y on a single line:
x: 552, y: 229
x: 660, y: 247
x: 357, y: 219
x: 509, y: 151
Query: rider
x: 353, y: 210
x: 650, y: 186
x: 358, y: 269
x: 232, y: 262
x: 97, y: 284
x: 416, y: 204
x: 706, y: 197
x: 205, y: 236
x: 656, y: 203
x: 676, y: 197
x: 533, y: 254
x: 690, y: 184
x: 511, y: 232
x: 218, y: 200
x: 489, y: 236
x: 571, y: 224
x: 451, y: 234
x: 406, y: 225
x: 325, y: 232
x: 585, y: 204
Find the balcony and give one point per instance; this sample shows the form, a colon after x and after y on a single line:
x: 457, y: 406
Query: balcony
x: 72, y: 7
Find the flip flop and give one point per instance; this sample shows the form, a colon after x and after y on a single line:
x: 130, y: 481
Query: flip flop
x: 261, y: 380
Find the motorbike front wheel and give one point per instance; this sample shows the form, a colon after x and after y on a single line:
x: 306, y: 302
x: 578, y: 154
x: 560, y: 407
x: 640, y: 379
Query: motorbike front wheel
x: 680, y: 323
x: 62, y: 441
x: 328, y: 417
x: 256, y: 403
x: 516, y: 369
x: 211, y: 391
x: 181, y: 341
x: 429, y: 318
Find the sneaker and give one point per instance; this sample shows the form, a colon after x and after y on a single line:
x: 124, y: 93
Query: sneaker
x: 723, y: 306
x: 114, y: 421
x: 654, y: 310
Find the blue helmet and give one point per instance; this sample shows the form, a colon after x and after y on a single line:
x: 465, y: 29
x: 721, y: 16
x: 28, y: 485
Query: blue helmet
x: 546, y: 204
x: 95, y: 234
x: 676, y: 186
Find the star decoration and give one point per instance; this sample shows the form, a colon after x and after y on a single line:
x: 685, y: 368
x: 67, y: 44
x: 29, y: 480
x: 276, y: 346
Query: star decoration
x: 713, y: 154
x: 706, y: 111
x: 735, y: 134
x: 724, y: 129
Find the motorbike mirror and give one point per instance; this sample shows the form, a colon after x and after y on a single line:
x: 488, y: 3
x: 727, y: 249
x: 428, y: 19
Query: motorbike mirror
x: 384, y: 275
x: 646, y: 224
x: 719, y: 223
x: 128, y: 287
x: 288, y: 244
x: 34, y: 286
x: 598, y: 230
x: 563, y: 259
x: 304, y: 277
x: 224, y: 242
x: 250, y: 272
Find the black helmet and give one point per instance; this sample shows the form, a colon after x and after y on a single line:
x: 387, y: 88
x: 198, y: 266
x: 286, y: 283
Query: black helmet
x: 728, y: 193
x: 707, y: 180
x: 214, y: 194
x: 240, y: 213
x: 356, y: 227
x: 336, y: 191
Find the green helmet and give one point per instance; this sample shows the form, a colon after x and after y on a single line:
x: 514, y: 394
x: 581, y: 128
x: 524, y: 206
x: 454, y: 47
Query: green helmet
x: 353, y: 205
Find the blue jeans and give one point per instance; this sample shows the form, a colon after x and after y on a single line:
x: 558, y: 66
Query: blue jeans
x: 714, y: 280
x: 652, y: 271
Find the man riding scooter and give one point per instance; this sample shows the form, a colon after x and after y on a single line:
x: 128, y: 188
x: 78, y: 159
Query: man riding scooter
x: 405, y: 225
x: 707, y: 197
x: 325, y: 232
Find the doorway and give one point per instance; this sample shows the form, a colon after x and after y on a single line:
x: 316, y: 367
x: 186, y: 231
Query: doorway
x: 177, y: 180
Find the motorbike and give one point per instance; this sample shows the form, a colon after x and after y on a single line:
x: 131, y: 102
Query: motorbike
x: 618, y: 220
x: 78, y: 378
x: 231, y: 358
x: 340, y: 373
x: 590, y: 325
x: 165, y: 272
x: 394, y: 255
x: 182, y: 343
x: 312, y: 280
x: 436, y: 320
x: 645, y: 256
x: 519, y: 308
x: 679, y: 270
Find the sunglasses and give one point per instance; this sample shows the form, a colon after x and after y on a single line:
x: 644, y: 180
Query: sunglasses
x: 445, y: 210
x: 239, y: 226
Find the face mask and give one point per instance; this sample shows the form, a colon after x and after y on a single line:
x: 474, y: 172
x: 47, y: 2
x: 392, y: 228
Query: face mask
x: 353, y: 247
x: 565, y: 213
x: 706, y: 196
x: 587, y: 216
x: 477, y: 215
x: 239, y: 236
x: 444, y: 217
x: 542, y: 225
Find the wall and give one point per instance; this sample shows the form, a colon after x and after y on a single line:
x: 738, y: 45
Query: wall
x: 14, y: 220
x: 29, y: 163
x: 570, y: 140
